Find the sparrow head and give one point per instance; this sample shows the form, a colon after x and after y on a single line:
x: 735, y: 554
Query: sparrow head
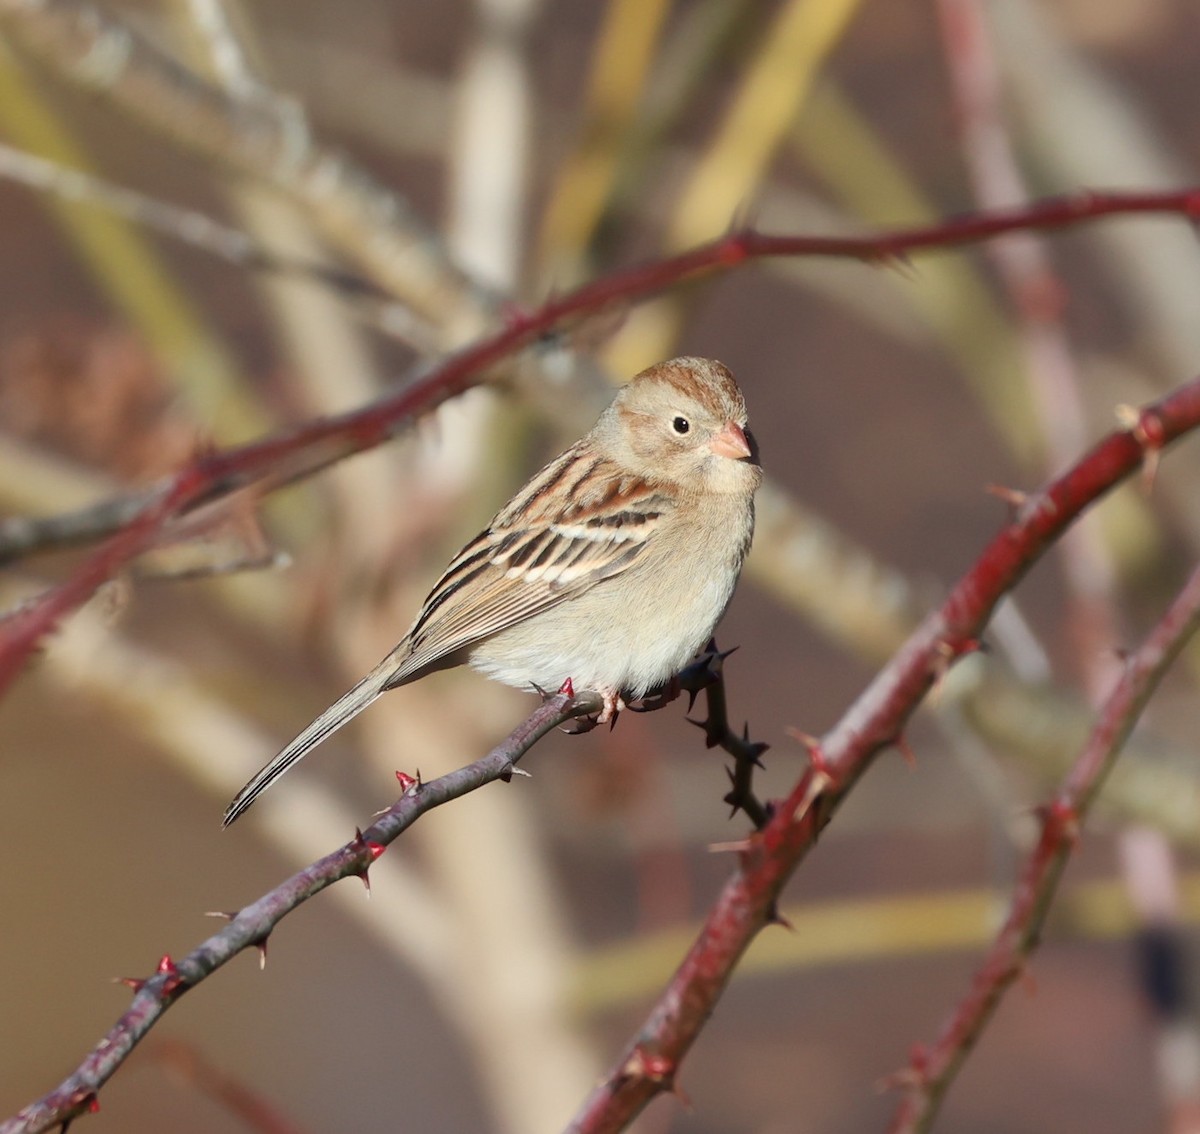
x: 685, y: 421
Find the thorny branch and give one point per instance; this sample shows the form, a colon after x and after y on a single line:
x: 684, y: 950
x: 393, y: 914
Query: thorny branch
x: 876, y: 721
x: 932, y: 1070
x: 252, y: 926
x: 286, y: 457
x: 187, y: 225
x: 707, y: 676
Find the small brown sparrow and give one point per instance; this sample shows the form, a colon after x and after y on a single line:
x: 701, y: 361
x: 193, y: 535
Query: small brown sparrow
x: 611, y: 567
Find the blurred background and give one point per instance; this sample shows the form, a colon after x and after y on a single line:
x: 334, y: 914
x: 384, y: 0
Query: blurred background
x: 460, y: 157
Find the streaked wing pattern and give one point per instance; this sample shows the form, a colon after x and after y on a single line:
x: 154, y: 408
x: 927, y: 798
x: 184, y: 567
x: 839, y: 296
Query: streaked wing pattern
x: 534, y: 557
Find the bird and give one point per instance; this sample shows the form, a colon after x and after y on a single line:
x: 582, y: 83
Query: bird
x: 610, y: 567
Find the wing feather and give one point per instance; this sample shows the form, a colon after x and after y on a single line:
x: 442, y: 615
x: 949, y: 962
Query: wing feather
x: 533, y: 556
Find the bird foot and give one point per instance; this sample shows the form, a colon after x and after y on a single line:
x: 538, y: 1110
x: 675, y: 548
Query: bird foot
x: 613, y: 704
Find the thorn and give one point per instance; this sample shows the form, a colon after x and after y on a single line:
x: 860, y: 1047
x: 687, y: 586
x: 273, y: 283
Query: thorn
x: 899, y: 262
x: 943, y: 658
x: 360, y: 845
x: 753, y: 749
x: 816, y: 786
x: 654, y: 1068
x: 906, y: 752
x: 409, y: 785
x: 579, y: 725
x: 816, y: 780
x: 733, y: 846
x: 774, y: 917
x: 515, y: 315
x: 946, y: 654
x: 173, y: 978
x: 1060, y: 820
x: 225, y: 915
x: 1147, y: 430
x: 1150, y: 435
x: 82, y: 1100
x: 711, y: 739
x: 816, y: 753
x: 567, y: 688
x: 735, y: 796
x: 1013, y: 497
x: 913, y: 1077
x: 135, y: 983
x: 512, y: 770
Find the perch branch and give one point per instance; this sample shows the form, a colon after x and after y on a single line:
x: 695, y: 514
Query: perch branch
x: 252, y: 926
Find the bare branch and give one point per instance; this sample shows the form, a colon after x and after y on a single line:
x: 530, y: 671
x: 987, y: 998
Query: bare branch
x: 264, y: 138
x: 251, y: 926
x: 932, y: 1070
x: 284, y: 458
x: 875, y: 721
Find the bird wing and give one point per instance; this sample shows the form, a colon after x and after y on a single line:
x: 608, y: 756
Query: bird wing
x: 535, y: 554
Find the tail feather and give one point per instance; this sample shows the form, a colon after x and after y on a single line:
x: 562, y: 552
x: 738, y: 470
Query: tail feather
x: 343, y: 709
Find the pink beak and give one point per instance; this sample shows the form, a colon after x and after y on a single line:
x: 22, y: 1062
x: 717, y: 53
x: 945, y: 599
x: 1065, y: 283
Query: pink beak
x: 731, y: 442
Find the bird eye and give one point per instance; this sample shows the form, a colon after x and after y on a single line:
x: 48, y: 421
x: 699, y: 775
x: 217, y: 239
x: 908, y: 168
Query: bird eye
x: 681, y: 425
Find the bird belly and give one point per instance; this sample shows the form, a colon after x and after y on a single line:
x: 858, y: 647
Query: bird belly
x: 626, y: 634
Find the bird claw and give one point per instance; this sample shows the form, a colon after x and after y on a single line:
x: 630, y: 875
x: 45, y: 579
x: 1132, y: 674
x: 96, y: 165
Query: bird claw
x: 613, y: 704
x: 658, y: 698
x: 611, y: 708
x: 579, y: 725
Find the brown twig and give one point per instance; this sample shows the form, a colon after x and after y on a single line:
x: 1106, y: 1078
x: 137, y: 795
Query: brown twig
x: 251, y: 926
x: 707, y: 675
x: 284, y: 458
x: 876, y: 720
x: 932, y: 1070
x: 1039, y: 297
x: 187, y: 1063
x: 746, y: 753
x: 189, y: 226
x: 269, y: 139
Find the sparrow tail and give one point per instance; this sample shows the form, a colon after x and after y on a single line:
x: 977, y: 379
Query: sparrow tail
x: 343, y: 709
